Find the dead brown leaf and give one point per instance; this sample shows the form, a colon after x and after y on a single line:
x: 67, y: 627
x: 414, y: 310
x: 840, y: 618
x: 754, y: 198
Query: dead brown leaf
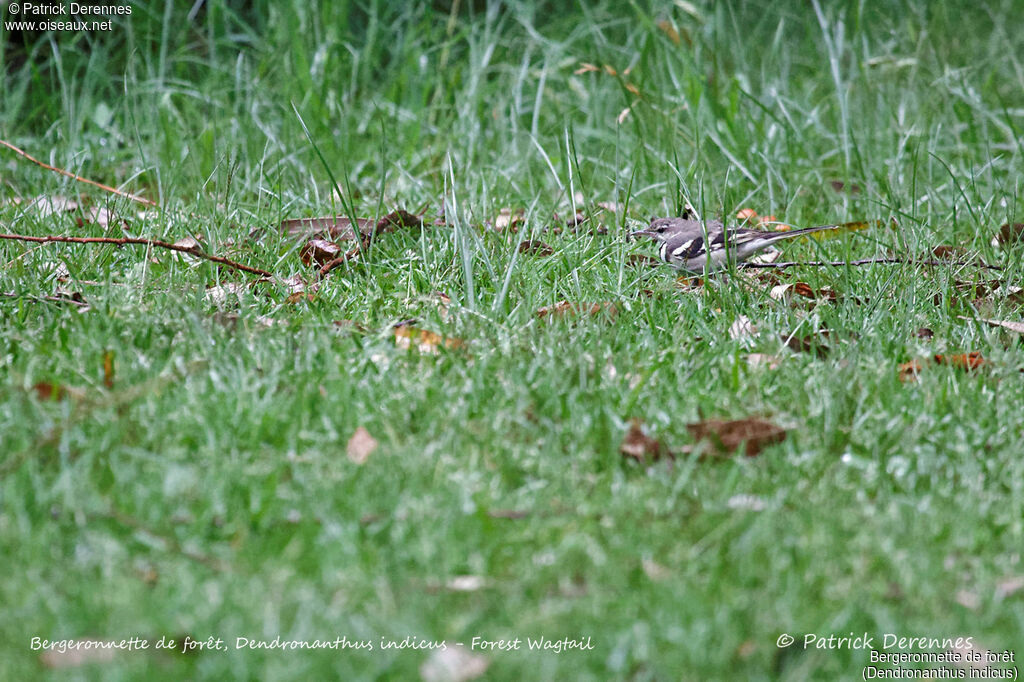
x: 535, y: 248
x: 319, y: 251
x: 299, y: 297
x: 811, y: 343
x: 108, y: 368
x: 726, y: 436
x: 340, y: 227
x: 840, y: 186
x: 924, y: 333
x: 565, y: 308
x: 360, y: 446
x: 908, y: 371
x: 1010, y: 233
x: 966, y: 361
x: 639, y: 446
x: 408, y: 336
x: 784, y: 292
x: 746, y: 215
x: 47, y: 390
x: 669, y: 30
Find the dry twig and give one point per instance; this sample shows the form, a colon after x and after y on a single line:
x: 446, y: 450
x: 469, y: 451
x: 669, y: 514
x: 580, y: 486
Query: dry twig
x: 122, y: 241
x: 126, y: 195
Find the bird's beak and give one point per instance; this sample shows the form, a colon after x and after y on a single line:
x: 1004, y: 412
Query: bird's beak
x: 639, y: 233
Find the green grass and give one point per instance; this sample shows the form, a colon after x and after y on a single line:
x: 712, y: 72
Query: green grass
x: 209, y: 493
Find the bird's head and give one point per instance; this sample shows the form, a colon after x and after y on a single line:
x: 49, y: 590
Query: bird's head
x: 659, y: 230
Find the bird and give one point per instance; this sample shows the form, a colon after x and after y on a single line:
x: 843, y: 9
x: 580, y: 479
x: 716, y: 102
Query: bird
x: 699, y: 246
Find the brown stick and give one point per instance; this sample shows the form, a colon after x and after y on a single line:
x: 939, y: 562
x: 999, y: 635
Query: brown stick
x: 868, y: 261
x: 50, y: 299
x: 122, y: 241
x: 340, y: 260
x: 127, y: 195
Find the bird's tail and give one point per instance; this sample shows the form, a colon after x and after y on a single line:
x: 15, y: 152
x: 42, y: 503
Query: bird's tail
x: 838, y: 227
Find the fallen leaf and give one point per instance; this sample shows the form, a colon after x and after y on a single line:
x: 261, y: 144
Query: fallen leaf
x: 564, y: 308
x: 86, y: 651
x: 108, y: 368
x: 219, y: 295
x: 1017, y: 327
x: 727, y: 436
x: 513, y: 514
x: 99, y: 216
x: 507, y: 219
x: 1008, y: 586
x: 340, y: 227
x: 1009, y: 233
x: 746, y: 214
x: 839, y: 186
x: 46, y: 206
x: 639, y: 446
x: 535, y: 248
x: 47, y: 390
x: 190, y: 243
x: 577, y: 218
x: 655, y: 571
x: 968, y: 600
x: 783, y: 292
x: 319, y: 251
x: 466, y: 583
x: 924, y: 333
x: 299, y: 297
x: 947, y: 252
x: 742, y: 328
x: 763, y: 360
x: 746, y: 649
x: 407, y: 336
x: 965, y: 361
x: 908, y: 371
x: 360, y: 446
x: 454, y: 664
x: 811, y: 343
x: 669, y: 30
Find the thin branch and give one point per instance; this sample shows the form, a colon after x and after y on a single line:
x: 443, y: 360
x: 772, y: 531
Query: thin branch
x: 340, y: 260
x: 46, y: 299
x: 869, y: 261
x: 122, y: 241
x: 126, y: 195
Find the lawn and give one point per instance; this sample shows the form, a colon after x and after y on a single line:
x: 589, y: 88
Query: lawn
x: 424, y: 445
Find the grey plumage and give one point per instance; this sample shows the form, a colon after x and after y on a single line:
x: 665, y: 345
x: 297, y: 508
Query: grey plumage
x: 698, y: 246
